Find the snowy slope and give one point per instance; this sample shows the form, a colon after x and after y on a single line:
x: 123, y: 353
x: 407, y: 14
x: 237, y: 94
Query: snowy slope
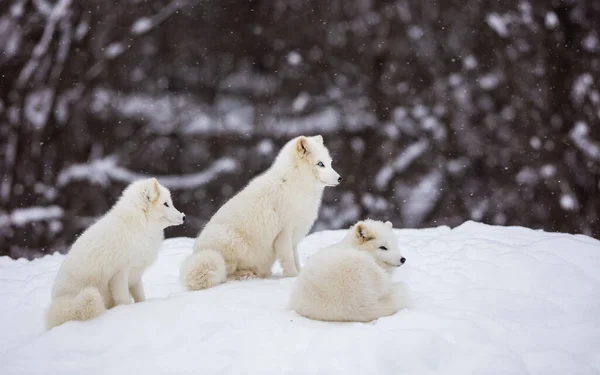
x: 484, y: 300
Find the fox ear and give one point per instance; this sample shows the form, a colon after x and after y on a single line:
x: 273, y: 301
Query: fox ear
x: 152, y: 190
x: 319, y: 138
x: 302, y: 146
x: 362, y: 232
x: 389, y: 224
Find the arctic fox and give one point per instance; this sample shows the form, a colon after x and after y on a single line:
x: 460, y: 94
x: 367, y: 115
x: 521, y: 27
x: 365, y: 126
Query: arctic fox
x: 351, y: 280
x: 264, y: 221
x: 105, y: 264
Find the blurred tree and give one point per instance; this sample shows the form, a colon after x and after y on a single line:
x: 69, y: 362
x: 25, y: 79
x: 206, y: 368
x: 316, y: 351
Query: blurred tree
x: 436, y: 112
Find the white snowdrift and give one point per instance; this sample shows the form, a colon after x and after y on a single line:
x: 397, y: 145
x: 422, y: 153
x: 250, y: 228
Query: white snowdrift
x: 484, y: 300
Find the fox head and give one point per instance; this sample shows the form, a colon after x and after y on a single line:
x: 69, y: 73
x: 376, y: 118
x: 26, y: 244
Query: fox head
x: 155, y: 202
x: 314, y: 159
x: 377, y: 239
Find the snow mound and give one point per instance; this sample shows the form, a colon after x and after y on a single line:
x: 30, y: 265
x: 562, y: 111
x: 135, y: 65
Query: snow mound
x: 483, y: 300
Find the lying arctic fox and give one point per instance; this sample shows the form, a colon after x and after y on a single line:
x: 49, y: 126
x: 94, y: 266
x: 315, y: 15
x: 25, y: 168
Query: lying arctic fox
x: 264, y: 221
x: 105, y: 264
x: 351, y: 280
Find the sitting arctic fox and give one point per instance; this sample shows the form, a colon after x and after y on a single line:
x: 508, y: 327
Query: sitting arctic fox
x: 351, y: 280
x: 264, y: 221
x: 105, y: 264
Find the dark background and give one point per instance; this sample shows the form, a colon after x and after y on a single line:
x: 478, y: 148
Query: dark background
x: 436, y: 112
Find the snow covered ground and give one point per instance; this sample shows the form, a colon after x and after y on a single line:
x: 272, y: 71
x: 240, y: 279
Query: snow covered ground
x: 484, y: 300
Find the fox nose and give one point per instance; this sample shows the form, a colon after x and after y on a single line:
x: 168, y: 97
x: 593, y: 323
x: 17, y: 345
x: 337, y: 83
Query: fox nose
x: 183, y: 218
x: 339, y: 179
x: 402, y: 260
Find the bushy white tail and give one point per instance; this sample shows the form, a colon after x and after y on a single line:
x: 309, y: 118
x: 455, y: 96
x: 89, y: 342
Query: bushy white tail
x: 386, y: 306
x: 376, y: 311
x: 315, y: 309
x: 86, y: 305
x: 203, y: 269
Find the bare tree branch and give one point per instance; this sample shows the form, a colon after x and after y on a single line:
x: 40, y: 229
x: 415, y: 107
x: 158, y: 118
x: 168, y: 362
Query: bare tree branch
x: 139, y: 28
x: 146, y: 24
x: 58, y: 11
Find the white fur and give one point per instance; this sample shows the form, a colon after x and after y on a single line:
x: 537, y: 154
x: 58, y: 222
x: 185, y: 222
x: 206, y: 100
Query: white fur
x: 264, y: 221
x: 351, y: 280
x: 105, y: 264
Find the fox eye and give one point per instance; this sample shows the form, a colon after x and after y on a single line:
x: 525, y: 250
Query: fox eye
x: 320, y: 164
x: 383, y: 247
x: 166, y: 204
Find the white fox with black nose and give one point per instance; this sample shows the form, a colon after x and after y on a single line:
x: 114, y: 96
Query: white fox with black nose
x: 264, y: 221
x: 105, y: 265
x: 351, y: 280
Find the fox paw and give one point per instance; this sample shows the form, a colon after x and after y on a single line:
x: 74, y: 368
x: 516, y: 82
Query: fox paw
x: 243, y: 275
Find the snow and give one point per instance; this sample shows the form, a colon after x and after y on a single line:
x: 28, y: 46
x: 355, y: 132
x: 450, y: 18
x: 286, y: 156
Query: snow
x: 419, y: 111
x: 102, y: 171
x: 11, y: 35
x: 498, y: 23
x: 266, y: 147
x: 38, y: 105
x: 434, y: 126
x: 294, y: 58
x: 22, y: 216
x: 527, y: 175
x: 325, y: 120
x: 43, y: 7
x: 470, y: 62
x: 16, y: 10
x: 64, y: 101
x: 479, y: 210
x: 483, y: 300
x: 456, y: 166
x: 231, y: 115
x: 300, y: 102
x: 454, y: 79
x: 489, y: 81
x: 141, y: 26
x: 422, y: 199
x: 551, y: 20
x: 344, y: 211
x: 581, y: 87
x: 114, y: 49
x: 415, y: 32
x: 580, y: 136
x: 258, y: 84
x: 590, y: 43
x: 568, y: 203
x: 401, y: 163
x: 548, y: 170
x: 82, y: 27
x: 535, y: 142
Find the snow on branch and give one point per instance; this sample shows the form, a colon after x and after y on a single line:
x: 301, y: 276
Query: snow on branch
x: 402, y: 162
x: 139, y: 28
x: 43, y: 7
x: 58, y: 11
x: 23, y: 216
x: 102, y: 171
x: 421, y: 200
x: 498, y: 23
x: 579, y: 135
x: 143, y: 26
